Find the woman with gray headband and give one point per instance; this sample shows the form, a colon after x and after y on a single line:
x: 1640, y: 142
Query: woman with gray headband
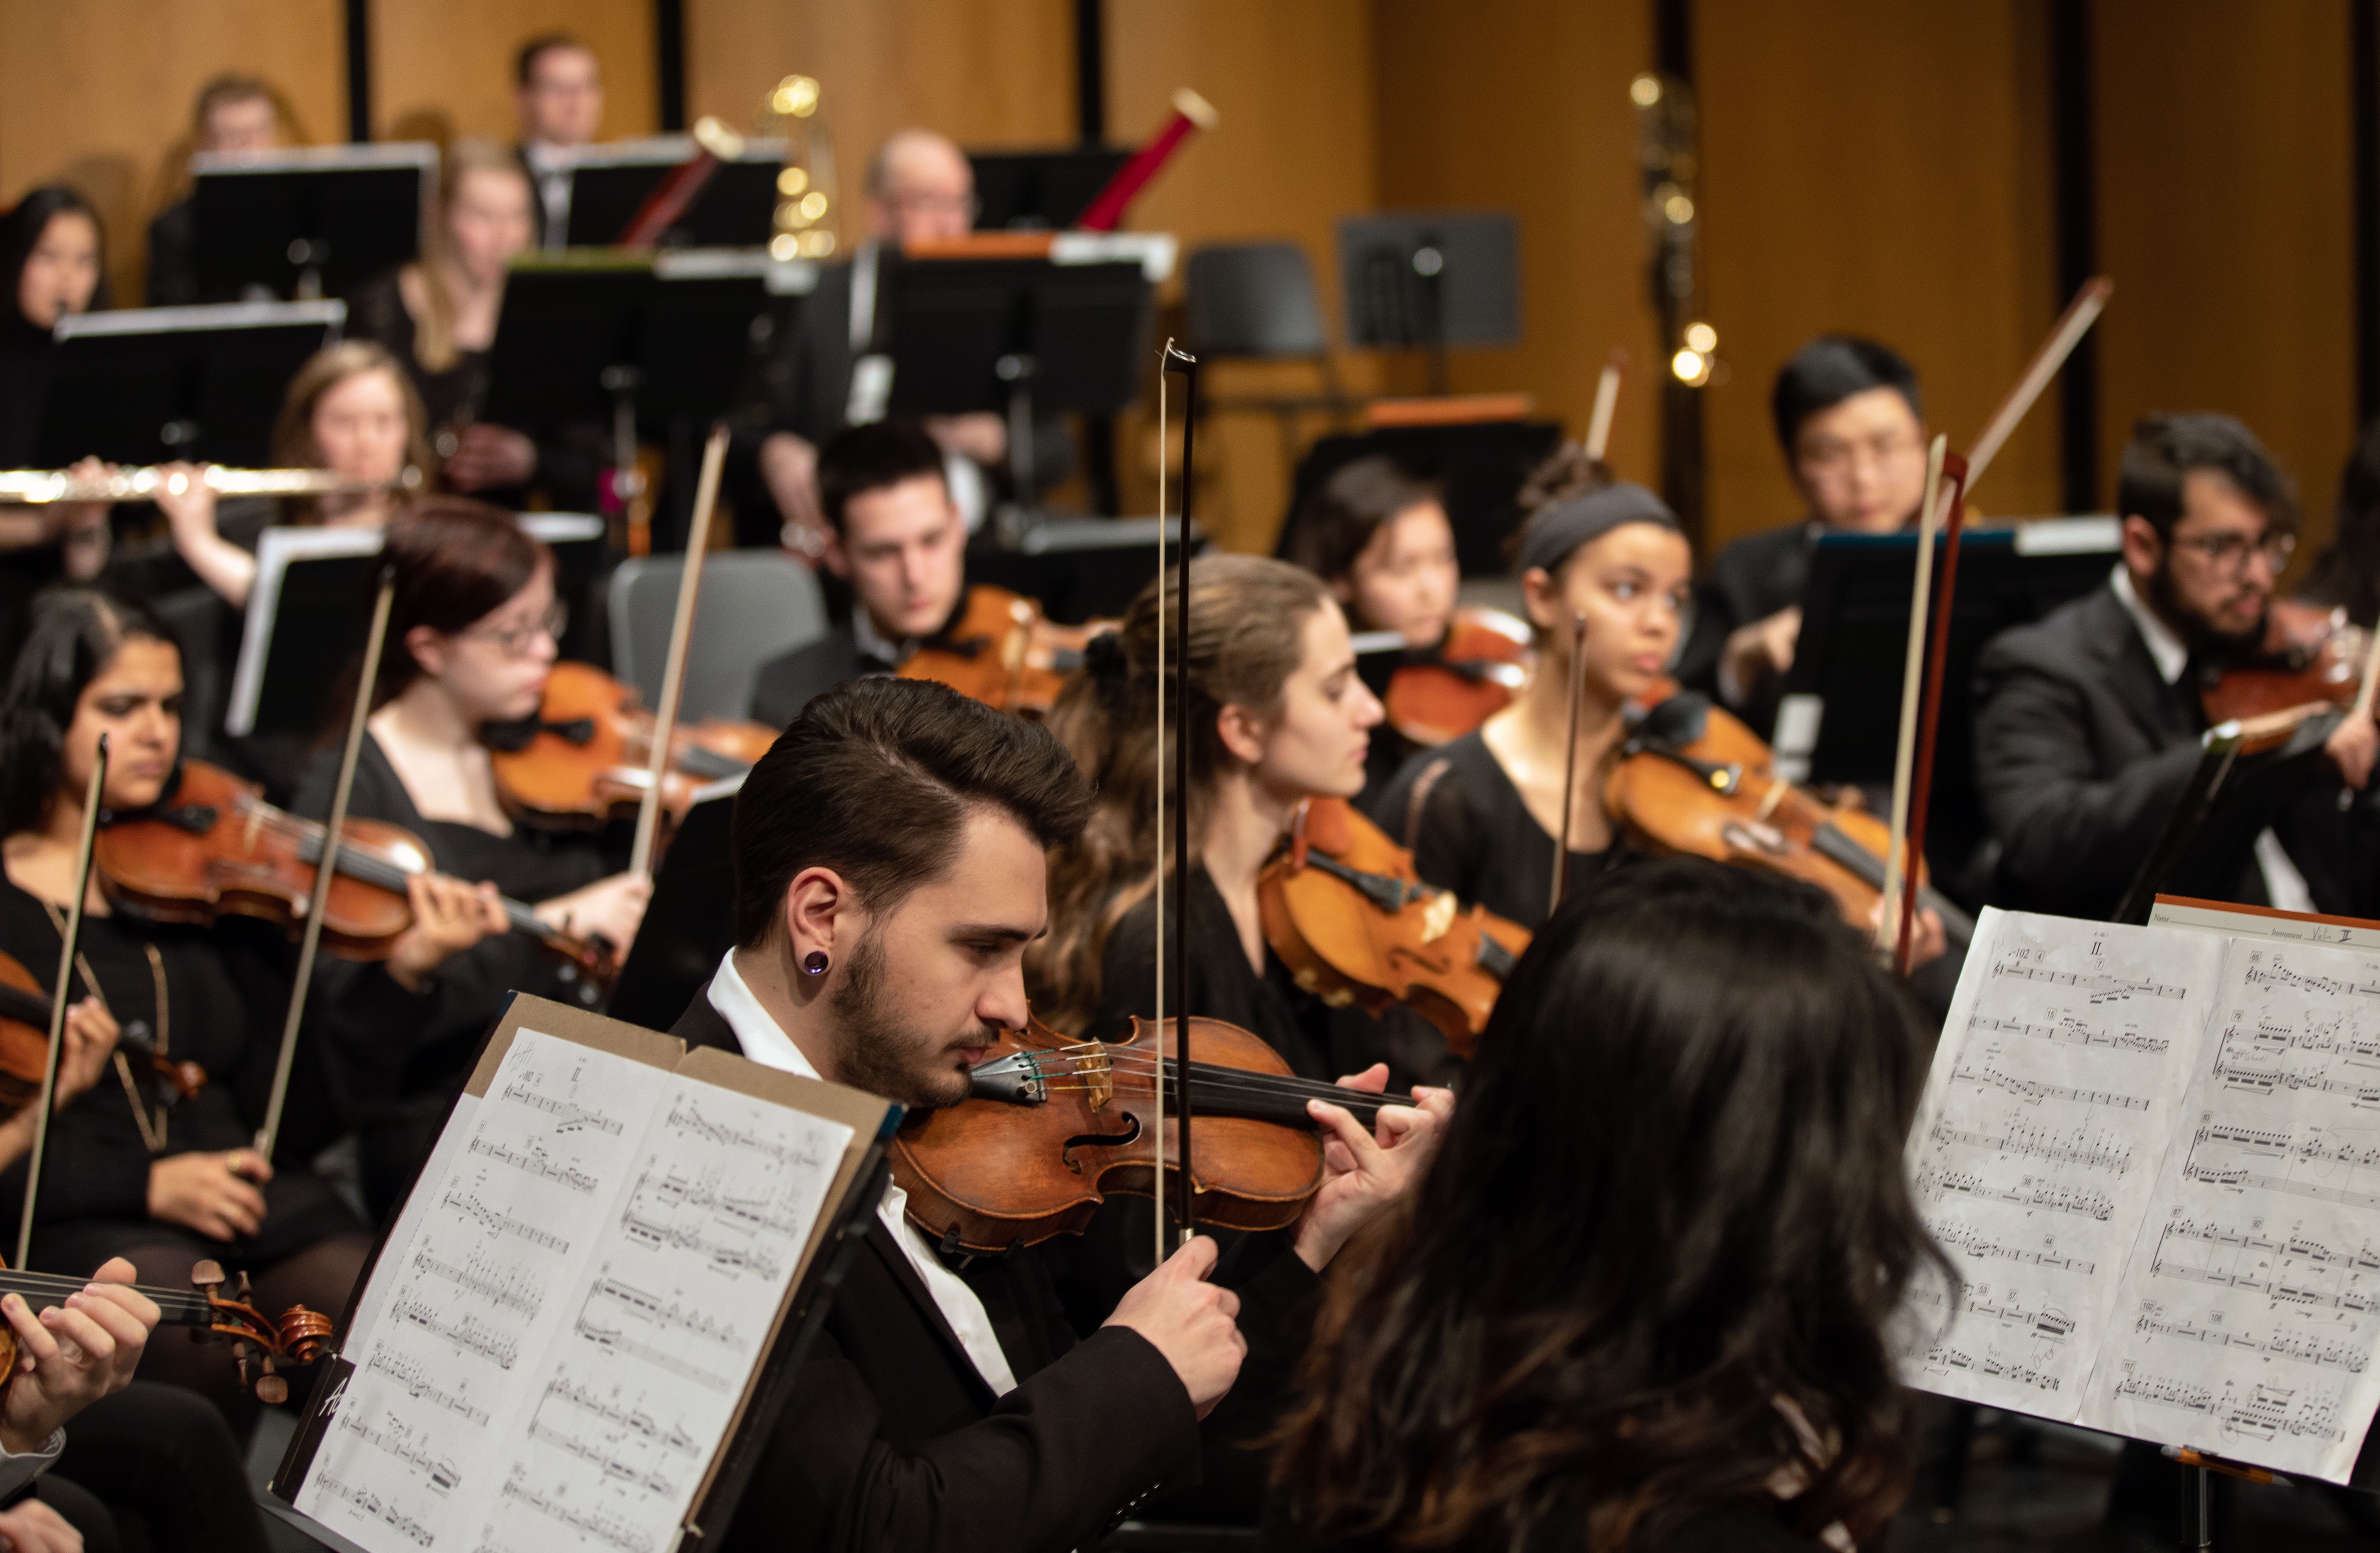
x: 1481, y: 814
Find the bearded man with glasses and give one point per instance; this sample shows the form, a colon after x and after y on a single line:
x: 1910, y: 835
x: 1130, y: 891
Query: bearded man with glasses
x: 2088, y: 722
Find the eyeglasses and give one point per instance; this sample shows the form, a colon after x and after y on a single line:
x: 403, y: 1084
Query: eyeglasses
x: 1836, y: 456
x: 515, y: 641
x: 2229, y: 551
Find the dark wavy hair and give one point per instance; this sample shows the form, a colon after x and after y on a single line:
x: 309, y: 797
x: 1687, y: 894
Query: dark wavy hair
x: 456, y: 562
x: 20, y: 233
x: 1828, y: 371
x: 2165, y: 449
x: 1672, y: 1195
x: 71, y: 634
x: 1336, y: 524
x: 2348, y: 570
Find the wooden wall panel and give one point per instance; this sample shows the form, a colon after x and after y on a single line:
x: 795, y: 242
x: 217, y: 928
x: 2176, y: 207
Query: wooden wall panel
x: 2224, y: 216
x: 1517, y: 105
x: 445, y: 68
x: 1884, y: 169
x: 99, y: 95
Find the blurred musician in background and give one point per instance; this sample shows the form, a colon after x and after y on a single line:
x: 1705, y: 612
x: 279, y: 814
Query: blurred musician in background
x: 52, y: 264
x: 896, y: 537
x: 1852, y: 430
x: 351, y: 410
x: 1378, y: 537
x: 471, y: 637
x: 920, y: 189
x: 2347, y: 574
x: 234, y: 116
x: 437, y: 316
x: 558, y: 93
x: 2088, y: 722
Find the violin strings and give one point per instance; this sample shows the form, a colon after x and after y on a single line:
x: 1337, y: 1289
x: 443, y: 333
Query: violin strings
x: 1126, y: 1059
x: 1247, y: 1083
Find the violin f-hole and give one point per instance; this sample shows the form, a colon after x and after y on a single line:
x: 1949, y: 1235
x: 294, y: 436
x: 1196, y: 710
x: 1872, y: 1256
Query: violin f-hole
x: 1125, y: 1139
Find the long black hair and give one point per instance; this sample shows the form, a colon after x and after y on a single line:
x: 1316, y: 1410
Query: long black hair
x: 1671, y: 1196
x: 22, y: 229
x: 71, y: 635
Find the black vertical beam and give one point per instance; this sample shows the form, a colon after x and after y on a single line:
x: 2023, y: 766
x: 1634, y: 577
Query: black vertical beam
x: 2075, y: 182
x: 358, y: 70
x: 1090, y: 72
x: 2364, y: 101
x: 668, y: 62
x: 1683, y: 468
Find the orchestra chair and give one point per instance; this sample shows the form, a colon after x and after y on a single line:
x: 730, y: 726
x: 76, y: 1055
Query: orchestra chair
x: 1258, y: 302
x: 755, y: 605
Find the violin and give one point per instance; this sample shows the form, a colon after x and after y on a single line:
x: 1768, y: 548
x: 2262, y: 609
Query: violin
x: 1343, y: 908
x: 212, y: 847
x: 1004, y: 651
x: 25, y: 1043
x: 2311, y: 661
x: 296, y: 1340
x: 584, y: 759
x: 1441, y: 693
x: 1053, y: 1127
x: 1691, y: 778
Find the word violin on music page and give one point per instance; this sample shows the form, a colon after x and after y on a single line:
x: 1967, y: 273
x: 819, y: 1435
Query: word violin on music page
x: 565, y: 1323
x: 2153, y: 1154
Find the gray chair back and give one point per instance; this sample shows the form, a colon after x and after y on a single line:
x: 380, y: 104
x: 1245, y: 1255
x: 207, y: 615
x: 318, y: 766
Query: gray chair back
x: 755, y: 604
x: 1253, y: 299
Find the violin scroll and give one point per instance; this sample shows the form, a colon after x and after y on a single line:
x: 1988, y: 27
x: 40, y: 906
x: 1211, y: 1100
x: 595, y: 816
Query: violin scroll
x: 297, y: 1339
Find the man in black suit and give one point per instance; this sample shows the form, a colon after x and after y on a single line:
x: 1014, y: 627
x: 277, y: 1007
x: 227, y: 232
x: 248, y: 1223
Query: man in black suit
x: 2088, y: 720
x: 894, y: 535
x: 1852, y: 431
x: 558, y: 94
x: 890, y: 870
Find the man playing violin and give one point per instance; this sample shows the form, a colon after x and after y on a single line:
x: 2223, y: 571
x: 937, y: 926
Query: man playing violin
x: 1852, y: 430
x: 890, y: 872
x: 2088, y: 722
x: 896, y: 537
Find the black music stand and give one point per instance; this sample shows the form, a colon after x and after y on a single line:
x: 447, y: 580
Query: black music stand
x: 1430, y: 281
x: 309, y: 222
x: 736, y: 207
x: 701, y: 349
x: 1841, y: 711
x: 1019, y: 337
x: 150, y: 384
x: 1041, y: 191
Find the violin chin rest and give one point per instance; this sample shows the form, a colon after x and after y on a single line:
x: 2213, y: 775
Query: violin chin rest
x: 1013, y: 1080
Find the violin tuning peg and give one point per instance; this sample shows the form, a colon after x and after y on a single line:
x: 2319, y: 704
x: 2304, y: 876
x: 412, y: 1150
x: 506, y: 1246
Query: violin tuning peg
x: 272, y: 1390
x: 207, y: 1275
x: 246, y: 1296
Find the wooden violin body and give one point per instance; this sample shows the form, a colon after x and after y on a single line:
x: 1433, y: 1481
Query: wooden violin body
x: 1693, y: 779
x: 1473, y: 672
x: 25, y: 1043
x: 587, y: 762
x: 2311, y: 659
x: 1004, y: 651
x: 1056, y: 1126
x: 1343, y: 908
x: 212, y: 847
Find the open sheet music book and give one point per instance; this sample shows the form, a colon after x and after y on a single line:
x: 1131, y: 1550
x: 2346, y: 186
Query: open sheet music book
x: 2154, y: 1156
x: 571, y: 1335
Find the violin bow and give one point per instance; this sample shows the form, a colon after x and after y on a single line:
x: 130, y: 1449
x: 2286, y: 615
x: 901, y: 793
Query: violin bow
x: 1954, y: 503
x: 1163, y: 383
x: 2064, y: 336
x: 1607, y: 399
x: 1184, y: 1183
x: 1912, y: 679
x: 1570, y: 761
x: 69, y: 945
x: 690, y: 588
x: 326, y: 867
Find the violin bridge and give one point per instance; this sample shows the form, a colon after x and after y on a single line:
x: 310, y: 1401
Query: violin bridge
x: 1097, y: 1073
x: 1438, y: 917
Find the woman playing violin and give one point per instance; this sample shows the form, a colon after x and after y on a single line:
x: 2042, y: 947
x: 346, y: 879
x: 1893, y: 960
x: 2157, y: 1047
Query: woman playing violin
x: 350, y: 410
x: 1277, y: 714
x: 1380, y: 539
x: 470, y: 640
x: 1481, y: 814
x: 137, y: 1169
x: 1640, y: 1303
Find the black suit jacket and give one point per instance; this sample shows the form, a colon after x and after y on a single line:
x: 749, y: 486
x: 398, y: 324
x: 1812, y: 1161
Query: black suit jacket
x: 1752, y: 579
x: 2083, y: 752
x: 785, y: 685
x: 891, y: 1440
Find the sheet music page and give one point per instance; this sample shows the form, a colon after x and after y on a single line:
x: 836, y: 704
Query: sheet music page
x: 2246, y: 1322
x: 562, y: 1325
x: 2052, y: 1101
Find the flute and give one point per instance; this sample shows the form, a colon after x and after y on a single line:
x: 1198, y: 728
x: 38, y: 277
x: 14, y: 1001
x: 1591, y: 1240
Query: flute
x: 41, y: 487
